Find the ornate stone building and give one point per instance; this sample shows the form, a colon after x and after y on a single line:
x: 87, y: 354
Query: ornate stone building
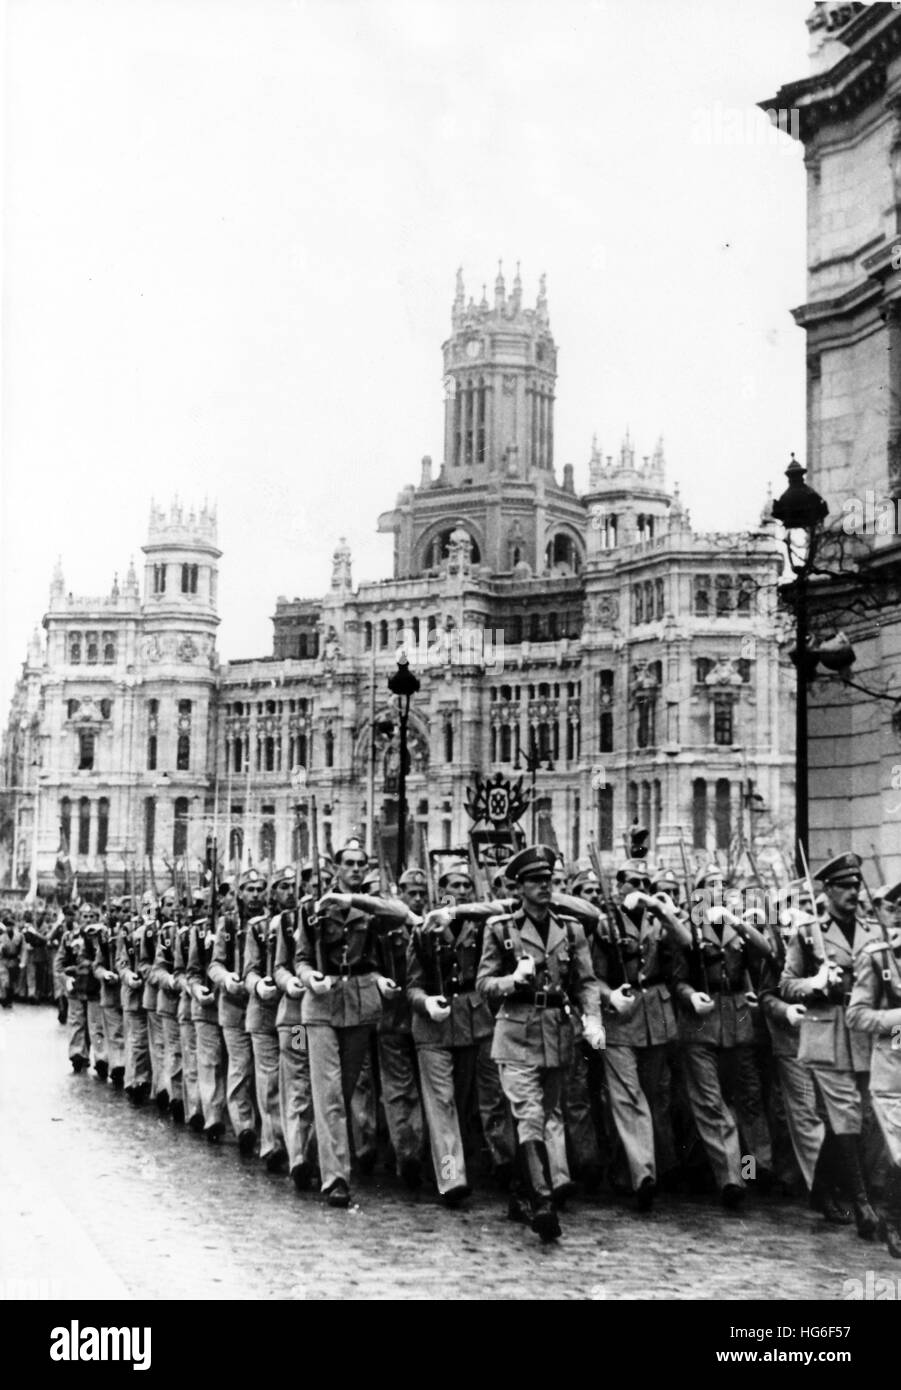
x: 633, y: 661
x: 849, y: 120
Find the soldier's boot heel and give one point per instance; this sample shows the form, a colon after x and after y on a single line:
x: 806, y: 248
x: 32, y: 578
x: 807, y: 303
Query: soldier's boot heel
x: 855, y: 1188
x: 519, y: 1206
x: 545, y: 1222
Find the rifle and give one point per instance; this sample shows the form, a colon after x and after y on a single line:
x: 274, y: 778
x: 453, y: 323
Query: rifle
x: 478, y: 874
x: 431, y: 888
x: 816, y: 931
x: 612, y: 913
x: 696, y: 944
x: 106, y: 891
x: 384, y: 875
x: 874, y: 855
x: 317, y: 879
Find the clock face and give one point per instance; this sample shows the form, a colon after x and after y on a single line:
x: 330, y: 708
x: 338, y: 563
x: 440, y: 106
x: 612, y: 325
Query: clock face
x: 473, y: 348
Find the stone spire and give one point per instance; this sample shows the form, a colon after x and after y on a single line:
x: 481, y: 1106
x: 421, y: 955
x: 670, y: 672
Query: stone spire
x: 35, y: 650
x: 57, y: 583
x: 459, y: 299
x: 541, y: 302
x: 500, y: 289
x: 341, y: 577
x: 131, y: 581
x: 516, y: 297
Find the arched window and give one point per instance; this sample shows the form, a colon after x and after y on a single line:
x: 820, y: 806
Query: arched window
x: 267, y: 834
x: 367, y: 637
x: 109, y: 651
x: 236, y: 845
x: 85, y: 750
x: 269, y: 754
x: 723, y: 595
x: 544, y: 739
x: 106, y: 708
x: 75, y: 648
x: 189, y: 579
x: 702, y: 595
x: 151, y: 753
x: 93, y: 649
x: 84, y: 826
x: 506, y: 743
x: 699, y: 813
x: 183, y: 753
x: 448, y: 740
x: 638, y: 603
x: 238, y: 746
x: 723, y: 722
x: 329, y: 748
x: 300, y: 750
x: 605, y: 817
x: 102, y: 824
x: 180, y: 826
x: 658, y: 591
x: 383, y: 634
x: 65, y: 823
x: 723, y: 813
x: 149, y: 824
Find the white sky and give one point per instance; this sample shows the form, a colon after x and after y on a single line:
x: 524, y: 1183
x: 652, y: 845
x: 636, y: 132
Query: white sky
x: 230, y: 233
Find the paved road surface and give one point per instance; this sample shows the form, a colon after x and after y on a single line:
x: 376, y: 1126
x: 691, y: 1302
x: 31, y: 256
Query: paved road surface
x: 101, y: 1201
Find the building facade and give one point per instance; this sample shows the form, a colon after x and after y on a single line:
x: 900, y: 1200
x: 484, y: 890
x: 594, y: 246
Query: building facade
x: 627, y: 667
x: 849, y: 120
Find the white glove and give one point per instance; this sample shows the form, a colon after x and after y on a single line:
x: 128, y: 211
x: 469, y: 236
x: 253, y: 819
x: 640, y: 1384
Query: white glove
x: 525, y: 970
x: 636, y: 899
x: 234, y: 985
x: 266, y: 991
x: 133, y: 979
x: 662, y: 902
x: 793, y: 1015
x: 622, y: 1001
x: 438, y: 919
x: 320, y: 984
x: 436, y: 1011
x: 388, y: 988
x: 701, y: 1003
x: 294, y: 989
x: 334, y: 900
x: 594, y: 1034
x: 111, y: 977
x: 202, y: 993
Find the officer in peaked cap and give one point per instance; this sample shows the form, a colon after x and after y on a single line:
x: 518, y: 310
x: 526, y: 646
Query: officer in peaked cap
x: 838, y: 1058
x: 888, y: 893
x: 533, y: 861
x: 536, y: 967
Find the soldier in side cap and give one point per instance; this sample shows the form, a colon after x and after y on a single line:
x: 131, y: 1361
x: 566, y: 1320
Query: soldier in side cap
x: 838, y: 1058
x: 227, y: 973
x: 79, y: 953
x: 337, y: 962
x: 138, y: 1070
x: 262, y: 1012
x: 212, y: 1060
x: 295, y: 1088
x: 146, y: 938
x: 187, y: 1029
x: 10, y: 951
x: 168, y: 994
x: 536, y: 967
x: 106, y: 972
x: 875, y: 1009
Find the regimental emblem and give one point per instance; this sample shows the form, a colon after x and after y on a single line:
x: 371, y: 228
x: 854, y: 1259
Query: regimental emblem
x: 496, y: 799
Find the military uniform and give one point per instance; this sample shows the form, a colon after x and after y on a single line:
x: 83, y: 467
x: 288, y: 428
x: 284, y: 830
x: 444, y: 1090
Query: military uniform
x: 397, y: 1056
x: 79, y: 952
x: 294, y: 1086
x: 837, y: 1058
x: 10, y: 949
x: 146, y: 937
x: 138, y: 1073
x: 226, y: 972
x: 187, y: 1033
x: 110, y: 1000
x: 875, y: 1010
x: 638, y: 957
x: 168, y: 996
x: 533, y: 1037
x: 262, y: 1013
x: 442, y: 964
x: 337, y: 963
x: 212, y: 1061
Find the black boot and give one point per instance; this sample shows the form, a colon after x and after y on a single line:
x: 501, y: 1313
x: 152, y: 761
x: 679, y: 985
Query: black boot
x: 824, y: 1194
x: 535, y: 1163
x: 890, y: 1222
x: 852, y: 1184
x: 62, y: 1008
x: 519, y: 1207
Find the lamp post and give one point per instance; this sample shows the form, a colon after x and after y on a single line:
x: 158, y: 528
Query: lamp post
x: 800, y: 509
x: 532, y: 761
x: 404, y: 685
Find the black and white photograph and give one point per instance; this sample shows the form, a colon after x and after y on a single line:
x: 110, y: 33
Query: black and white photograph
x: 450, y: 662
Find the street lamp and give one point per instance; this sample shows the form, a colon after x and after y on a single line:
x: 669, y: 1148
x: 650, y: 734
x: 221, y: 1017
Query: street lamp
x: 801, y: 509
x: 405, y: 685
x: 532, y: 761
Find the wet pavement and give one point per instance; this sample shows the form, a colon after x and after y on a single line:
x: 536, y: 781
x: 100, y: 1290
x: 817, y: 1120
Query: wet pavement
x: 102, y: 1201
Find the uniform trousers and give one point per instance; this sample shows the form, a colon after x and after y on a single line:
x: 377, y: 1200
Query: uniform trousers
x: 211, y: 1068
x: 336, y: 1057
x: 295, y: 1092
x: 266, y: 1078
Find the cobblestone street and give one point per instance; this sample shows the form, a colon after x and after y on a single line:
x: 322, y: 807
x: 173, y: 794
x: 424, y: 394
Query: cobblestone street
x: 101, y: 1201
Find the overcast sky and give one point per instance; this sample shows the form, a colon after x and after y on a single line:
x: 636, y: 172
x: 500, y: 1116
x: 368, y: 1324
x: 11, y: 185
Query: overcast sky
x: 230, y: 234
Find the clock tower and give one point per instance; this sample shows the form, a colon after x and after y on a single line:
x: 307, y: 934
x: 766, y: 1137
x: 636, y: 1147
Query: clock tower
x: 500, y: 368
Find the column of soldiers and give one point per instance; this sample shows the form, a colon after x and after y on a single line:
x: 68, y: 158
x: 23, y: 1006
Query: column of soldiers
x: 562, y: 1030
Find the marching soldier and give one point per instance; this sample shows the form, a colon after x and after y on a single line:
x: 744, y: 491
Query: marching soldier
x: 226, y: 972
x: 396, y: 1050
x: 58, y: 979
x: 168, y: 996
x: 262, y: 1012
x: 337, y: 963
x: 875, y: 1008
x: 187, y: 1031
x: 819, y: 973
x: 146, y: 941
x: 107, y: 974
x: 212, y: 1061
x: 536, y: 966
x: 10, y: 948
x: 138, y: 1071
x: 294, y: 1085
x: 633, y: 957
x: 451, y: 1026
x: 79, y: 952
x: 717, y: 1033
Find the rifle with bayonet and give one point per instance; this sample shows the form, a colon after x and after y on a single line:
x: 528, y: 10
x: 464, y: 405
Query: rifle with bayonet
x: 612, y: 913
x: 697, y: 945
